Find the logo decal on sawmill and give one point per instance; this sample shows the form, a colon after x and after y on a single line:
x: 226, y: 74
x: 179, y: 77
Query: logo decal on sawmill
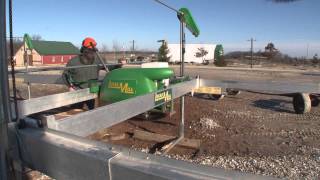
x: 163, y: 96
x: 126, y: 87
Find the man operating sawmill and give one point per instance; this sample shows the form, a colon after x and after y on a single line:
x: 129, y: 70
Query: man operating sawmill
x: 79, y: 77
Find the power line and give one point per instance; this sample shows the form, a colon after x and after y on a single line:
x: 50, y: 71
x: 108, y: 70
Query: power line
x: 173, y: 9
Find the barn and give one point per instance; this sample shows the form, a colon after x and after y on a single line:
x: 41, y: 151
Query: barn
x: 46, y: 53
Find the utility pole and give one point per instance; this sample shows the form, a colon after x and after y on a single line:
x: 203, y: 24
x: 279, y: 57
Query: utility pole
x: 307, y: 51
x: 132, y: 50
x: 251, y: 40
x: 132, y: 45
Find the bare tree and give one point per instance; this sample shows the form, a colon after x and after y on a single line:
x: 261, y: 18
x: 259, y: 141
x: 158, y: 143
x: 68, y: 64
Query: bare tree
x: 104, y: 48
x: 116, y: 48
x: 36, y: 37
x: 201, y: 53
x: 115, y: 45
x: 270, y: 47
x: 270, y: 50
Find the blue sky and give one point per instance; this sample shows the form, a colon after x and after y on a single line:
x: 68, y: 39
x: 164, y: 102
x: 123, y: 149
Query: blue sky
x: 291, y: 27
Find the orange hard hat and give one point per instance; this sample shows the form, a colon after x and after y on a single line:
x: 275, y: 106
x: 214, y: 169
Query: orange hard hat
x: 89, y: 43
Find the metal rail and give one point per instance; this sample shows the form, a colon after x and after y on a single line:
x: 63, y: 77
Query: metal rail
x: 4, y: 95
x: 89, y: 122
x: 42, y: 79
x: 45, y: 79
x: 64, y: 156
x: 29, y: 77
x: 40, y: 104
x: 272, y: 87
x: 276, y: 87
x: 42, y: 69
x: 106, y: 116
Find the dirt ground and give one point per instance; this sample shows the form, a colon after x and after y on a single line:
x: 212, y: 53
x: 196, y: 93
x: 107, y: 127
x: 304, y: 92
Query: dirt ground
x: 249, y: 132
x: 247, y: 126
x: 231, y: 126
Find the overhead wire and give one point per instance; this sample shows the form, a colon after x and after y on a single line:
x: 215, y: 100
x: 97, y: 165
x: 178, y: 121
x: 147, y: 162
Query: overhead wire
x: 160, y: 2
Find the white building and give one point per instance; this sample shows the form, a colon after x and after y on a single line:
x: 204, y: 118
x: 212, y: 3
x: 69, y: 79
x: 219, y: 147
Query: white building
x: 191, y: 53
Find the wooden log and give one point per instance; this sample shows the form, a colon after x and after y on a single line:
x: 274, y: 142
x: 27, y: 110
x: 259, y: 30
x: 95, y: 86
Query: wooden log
x: 147, y: 136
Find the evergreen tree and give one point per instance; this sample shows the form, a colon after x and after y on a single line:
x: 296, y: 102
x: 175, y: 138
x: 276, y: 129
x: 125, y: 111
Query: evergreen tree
x: 219, y: 56
x: 163, y: 53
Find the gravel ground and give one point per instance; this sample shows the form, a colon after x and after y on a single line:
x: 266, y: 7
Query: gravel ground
x: 290, y: 167
x: 252, y: 133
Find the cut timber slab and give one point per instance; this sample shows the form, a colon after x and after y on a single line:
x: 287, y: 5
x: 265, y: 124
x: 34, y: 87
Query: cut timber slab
x: 208, y: 90
x: 147, y: 136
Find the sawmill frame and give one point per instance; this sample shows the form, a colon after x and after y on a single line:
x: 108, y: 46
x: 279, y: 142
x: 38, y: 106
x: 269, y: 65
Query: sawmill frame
x: 60, y: 150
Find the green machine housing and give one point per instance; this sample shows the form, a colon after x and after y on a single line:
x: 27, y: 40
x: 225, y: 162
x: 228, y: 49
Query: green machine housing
x: 121, y: 84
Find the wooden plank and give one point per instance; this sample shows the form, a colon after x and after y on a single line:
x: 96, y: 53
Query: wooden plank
x: 147, y: 136
x: 209, y: 90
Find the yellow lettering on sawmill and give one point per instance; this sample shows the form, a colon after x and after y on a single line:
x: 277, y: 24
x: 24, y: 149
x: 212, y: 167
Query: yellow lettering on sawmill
x: 122, y: 86
x: 165, y: 96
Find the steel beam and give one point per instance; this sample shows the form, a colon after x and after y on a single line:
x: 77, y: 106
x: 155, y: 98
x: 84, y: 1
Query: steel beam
x: 4, y: 94
x: 61, y: 68
x: 40, y: 104
x: 86, y: 123
x: 275, y: 87
x: 43, y: 78
x: 64, y: 156
x: 61, y: 156
x: 109, y: 115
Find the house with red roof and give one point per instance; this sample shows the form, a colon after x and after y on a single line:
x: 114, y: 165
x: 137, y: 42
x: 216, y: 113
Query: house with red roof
x: 45, y: 53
